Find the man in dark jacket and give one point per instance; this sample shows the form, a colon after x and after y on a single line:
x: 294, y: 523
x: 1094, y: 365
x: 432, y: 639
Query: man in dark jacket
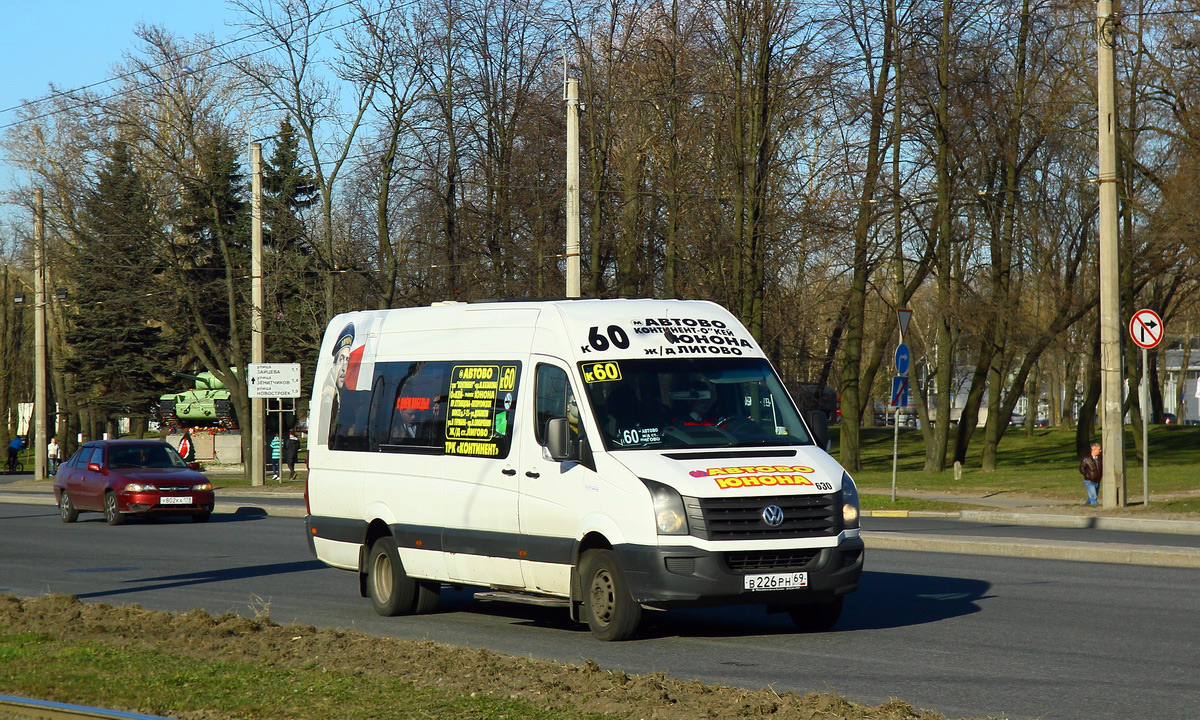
x: 291, y: 453
x: 1091, y: 467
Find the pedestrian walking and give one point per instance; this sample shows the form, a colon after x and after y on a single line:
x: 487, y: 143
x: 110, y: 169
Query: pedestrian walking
x: 275, y: 447
x: 291, y: 453
x: 1091, y: 467
x: 52, y: 454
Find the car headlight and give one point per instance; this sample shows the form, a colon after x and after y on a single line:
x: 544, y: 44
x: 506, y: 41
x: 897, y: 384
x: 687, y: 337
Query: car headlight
x: 669, y: 515
x: 140, y: 487
x: 202, y: 486
x: 849, y: 502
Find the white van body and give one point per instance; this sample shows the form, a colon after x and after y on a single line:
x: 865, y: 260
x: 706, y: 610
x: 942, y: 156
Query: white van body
x: 606, y: 455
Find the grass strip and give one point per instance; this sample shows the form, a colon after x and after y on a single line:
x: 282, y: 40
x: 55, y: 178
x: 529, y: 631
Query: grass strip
x: 162, y: 683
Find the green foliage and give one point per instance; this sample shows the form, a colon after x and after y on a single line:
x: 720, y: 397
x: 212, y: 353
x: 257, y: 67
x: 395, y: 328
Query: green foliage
x: 116, y: 344
x: 289, y: 189
x: 213, y: 236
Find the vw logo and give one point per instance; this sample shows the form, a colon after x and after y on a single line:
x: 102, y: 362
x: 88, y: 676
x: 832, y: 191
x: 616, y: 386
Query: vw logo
x: 773, y: 515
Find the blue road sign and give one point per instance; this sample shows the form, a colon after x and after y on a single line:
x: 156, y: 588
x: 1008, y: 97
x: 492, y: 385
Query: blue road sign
x: 900, y: 391
x: 903, y: 358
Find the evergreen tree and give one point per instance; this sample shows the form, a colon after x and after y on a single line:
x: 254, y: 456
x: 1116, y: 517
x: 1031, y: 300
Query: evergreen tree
x: 116, y: 349
x: 211, y: 246
x: 288, y: 189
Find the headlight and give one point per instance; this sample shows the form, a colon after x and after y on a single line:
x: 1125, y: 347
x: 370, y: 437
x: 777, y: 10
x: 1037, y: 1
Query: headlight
x: 849, y: 502
x: 669, y: 515
x: 202, y: 486
x: 140, y: 487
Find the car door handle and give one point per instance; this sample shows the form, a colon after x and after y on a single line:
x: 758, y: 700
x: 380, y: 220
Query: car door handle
x: 509, y: 471
x: 532, y: 474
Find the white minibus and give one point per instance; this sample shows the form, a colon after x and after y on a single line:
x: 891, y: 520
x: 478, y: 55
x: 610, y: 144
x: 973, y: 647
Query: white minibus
x: 607, y: 456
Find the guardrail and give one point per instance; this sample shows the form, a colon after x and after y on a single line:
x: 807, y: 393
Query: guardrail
x: 12, y: 706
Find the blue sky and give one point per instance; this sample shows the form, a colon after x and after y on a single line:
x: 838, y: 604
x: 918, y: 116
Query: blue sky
x: 73, y: 43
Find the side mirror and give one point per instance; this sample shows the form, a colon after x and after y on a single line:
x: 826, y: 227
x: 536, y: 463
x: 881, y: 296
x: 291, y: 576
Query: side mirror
x: 558, y: 440
x: 818, y: 423
x: 194, y: 466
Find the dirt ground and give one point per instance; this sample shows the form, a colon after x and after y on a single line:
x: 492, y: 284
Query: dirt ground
x: 579, y: 688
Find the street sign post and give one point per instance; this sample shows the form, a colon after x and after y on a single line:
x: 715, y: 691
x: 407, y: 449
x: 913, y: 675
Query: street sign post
x: 1146, y: 331
x: 899, y: 400
x: 273, y: 380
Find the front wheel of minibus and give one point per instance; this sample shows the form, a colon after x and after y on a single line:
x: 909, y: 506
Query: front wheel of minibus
x: 609, y: 608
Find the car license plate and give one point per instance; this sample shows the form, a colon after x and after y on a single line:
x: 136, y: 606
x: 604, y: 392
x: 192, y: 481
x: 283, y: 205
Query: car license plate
x: 175, y: 500
x: 777, y: 581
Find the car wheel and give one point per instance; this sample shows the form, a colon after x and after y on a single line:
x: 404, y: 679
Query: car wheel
x: 817, y: 617
x: 392, y: 592
x: 202, y: 516
x: 112, y: 515
x: 66, y: 508
x: 609, y: 608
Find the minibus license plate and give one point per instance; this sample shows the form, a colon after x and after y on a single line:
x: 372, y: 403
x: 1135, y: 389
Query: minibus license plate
x: 777, y: 581
x: 175, y: 500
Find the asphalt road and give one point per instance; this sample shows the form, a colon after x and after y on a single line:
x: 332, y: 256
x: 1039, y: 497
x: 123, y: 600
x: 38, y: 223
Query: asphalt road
x: 965, y: 635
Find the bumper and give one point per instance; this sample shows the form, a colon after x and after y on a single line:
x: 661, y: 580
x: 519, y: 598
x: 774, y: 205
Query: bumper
x: 667, y: 577
x: 151, y: 504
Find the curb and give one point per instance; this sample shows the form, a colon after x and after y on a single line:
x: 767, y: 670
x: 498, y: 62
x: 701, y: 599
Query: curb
x: 1097, y: 522
x: 1115, y: 553
x: 1094, y: 522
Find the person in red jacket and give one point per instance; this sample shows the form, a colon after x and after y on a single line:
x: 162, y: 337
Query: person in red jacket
x: 1091, y: 467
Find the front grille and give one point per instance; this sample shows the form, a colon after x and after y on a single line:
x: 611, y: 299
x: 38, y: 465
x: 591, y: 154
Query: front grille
x: 772, y: 560
x: 173, y: 488
x: 741, y: 518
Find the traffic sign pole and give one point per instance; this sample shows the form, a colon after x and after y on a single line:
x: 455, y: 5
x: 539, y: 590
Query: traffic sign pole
x: 1144, y: 399
x: 1146, y: 330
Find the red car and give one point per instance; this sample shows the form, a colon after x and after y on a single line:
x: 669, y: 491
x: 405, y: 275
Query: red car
x: 131, y: 477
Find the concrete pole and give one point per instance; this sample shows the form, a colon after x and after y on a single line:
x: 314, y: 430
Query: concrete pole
x: 1112, y: 483
x: 39, y: 337
x: 573, y: 290
x: 257, y: 348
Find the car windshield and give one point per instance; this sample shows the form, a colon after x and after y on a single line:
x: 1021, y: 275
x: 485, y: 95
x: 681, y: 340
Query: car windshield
x: 144, y: 456
x: 694, y: 403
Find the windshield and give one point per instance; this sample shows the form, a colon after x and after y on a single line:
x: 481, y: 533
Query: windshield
x: 144, y: 456
x: 693, y: 403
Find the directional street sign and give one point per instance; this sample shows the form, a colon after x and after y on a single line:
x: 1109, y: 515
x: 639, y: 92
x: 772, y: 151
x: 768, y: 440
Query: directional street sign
x: 1146, y: 328
x: 900, y: 391
x: 273, y: 380
x: 903, y: 358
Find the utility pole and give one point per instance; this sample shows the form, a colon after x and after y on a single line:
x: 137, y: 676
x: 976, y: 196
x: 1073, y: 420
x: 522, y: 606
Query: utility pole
x: 572, y: 87
x: 257, y: 405
x: 39, y: 336
x: 1112, y: 484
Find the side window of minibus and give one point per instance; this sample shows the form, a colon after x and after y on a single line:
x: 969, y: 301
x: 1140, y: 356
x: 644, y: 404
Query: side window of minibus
x: 554, y: 399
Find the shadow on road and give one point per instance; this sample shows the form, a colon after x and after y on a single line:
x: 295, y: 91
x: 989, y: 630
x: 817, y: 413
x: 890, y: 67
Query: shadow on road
x: 888, y: 600
x: 165, y: 582
x: 883, y: 600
